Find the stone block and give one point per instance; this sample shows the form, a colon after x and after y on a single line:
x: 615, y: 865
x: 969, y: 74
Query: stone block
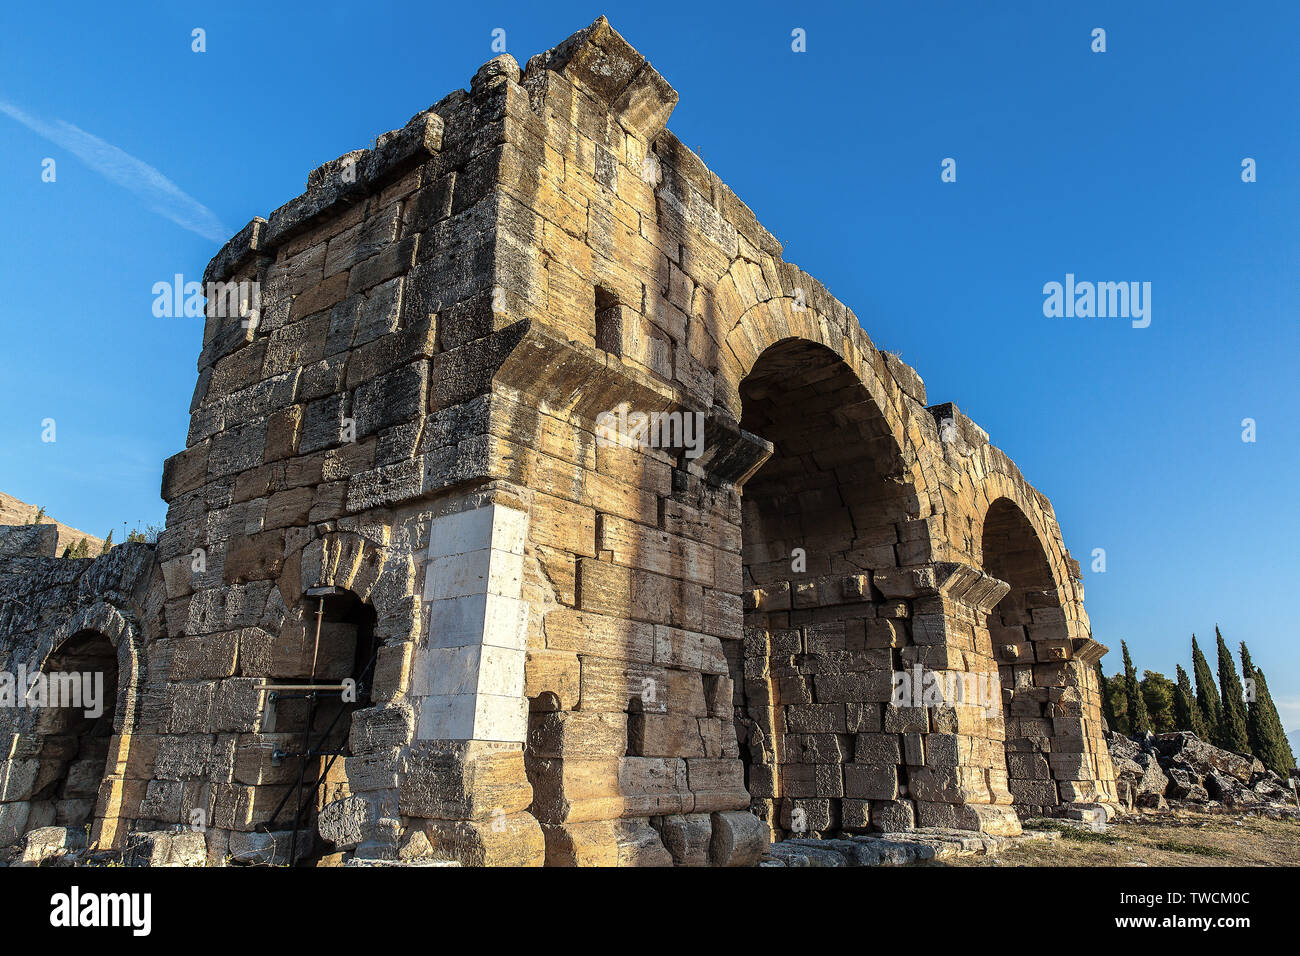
x: 738, y: 839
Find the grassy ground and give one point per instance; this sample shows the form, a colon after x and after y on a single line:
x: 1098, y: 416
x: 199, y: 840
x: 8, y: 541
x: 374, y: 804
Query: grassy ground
x: 1179, y: 839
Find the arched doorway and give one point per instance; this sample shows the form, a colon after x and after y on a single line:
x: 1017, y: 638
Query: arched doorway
x: 829, y: 509
x: 77, y: 689
x: 1031, y: 645
x: 322, y: 674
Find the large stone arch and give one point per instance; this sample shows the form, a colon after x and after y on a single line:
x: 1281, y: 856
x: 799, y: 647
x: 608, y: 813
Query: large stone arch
x: 832, y: 509
x: 755, y: 326
x: 895, y: 390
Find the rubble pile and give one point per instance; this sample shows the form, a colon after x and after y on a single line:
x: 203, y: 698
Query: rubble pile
x: 1179, y: 770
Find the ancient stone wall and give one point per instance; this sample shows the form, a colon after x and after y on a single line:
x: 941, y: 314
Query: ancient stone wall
x: 72, y: 616
x: 29, y: 541
x: 574, y: 646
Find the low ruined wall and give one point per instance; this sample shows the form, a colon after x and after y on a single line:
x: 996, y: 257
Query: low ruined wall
x: 50, y: 777
x: 28, y: 541
x: 15, y: 512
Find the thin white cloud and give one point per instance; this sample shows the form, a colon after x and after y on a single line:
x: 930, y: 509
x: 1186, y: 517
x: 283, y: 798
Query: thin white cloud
x: 158, y: 192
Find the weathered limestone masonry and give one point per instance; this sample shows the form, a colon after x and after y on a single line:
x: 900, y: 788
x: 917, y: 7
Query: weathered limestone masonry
x: 586, y: 650
x: 72, y: 615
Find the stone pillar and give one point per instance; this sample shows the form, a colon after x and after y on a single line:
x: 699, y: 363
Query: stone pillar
x: 1080, y: 758
x: 956, y: 771
x: 1056, y: 752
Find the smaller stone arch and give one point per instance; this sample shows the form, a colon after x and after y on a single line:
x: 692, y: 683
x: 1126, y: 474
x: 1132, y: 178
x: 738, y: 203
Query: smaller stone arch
x: 381, y: 577
x: 326, y: 640
x: 377, y: 577
x: 82, y: 751
x: 340, y: 559
x: 120, y: 631
x: 1033, y: 646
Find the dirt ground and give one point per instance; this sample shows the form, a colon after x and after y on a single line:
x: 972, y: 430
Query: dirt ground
x: 1181, y: 838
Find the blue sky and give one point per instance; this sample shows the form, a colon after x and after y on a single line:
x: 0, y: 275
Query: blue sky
x: 1115, y: 166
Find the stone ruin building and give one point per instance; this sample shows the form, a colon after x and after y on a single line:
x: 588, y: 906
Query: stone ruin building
x: 415, y: 471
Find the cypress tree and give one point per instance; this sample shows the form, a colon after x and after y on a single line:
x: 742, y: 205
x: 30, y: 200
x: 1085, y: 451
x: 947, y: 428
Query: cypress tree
x: 1276, y: 748
x: 1252, y: 700
x: 1138, y: 721
x: 1263, y: 726
x: 1187, y: 712
x: 1207, y: 694
x: 1232, y: 729
x: 108, y: 543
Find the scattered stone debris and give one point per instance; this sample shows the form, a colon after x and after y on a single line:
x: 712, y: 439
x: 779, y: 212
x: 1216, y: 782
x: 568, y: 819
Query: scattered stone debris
x: 53, y: 844
x: 69, y: 846
x: 1168, y: 771
x: 358, y: 861
x: 920, y: 846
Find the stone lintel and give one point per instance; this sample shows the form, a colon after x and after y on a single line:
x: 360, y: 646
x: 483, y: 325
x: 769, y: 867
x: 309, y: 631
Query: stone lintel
x: 577, y: 379
x: 969, y: 585
x: 1088, y: 650
x: 731, y: 454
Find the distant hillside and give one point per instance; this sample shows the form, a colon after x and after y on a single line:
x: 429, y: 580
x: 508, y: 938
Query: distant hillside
x: 13, y: 511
